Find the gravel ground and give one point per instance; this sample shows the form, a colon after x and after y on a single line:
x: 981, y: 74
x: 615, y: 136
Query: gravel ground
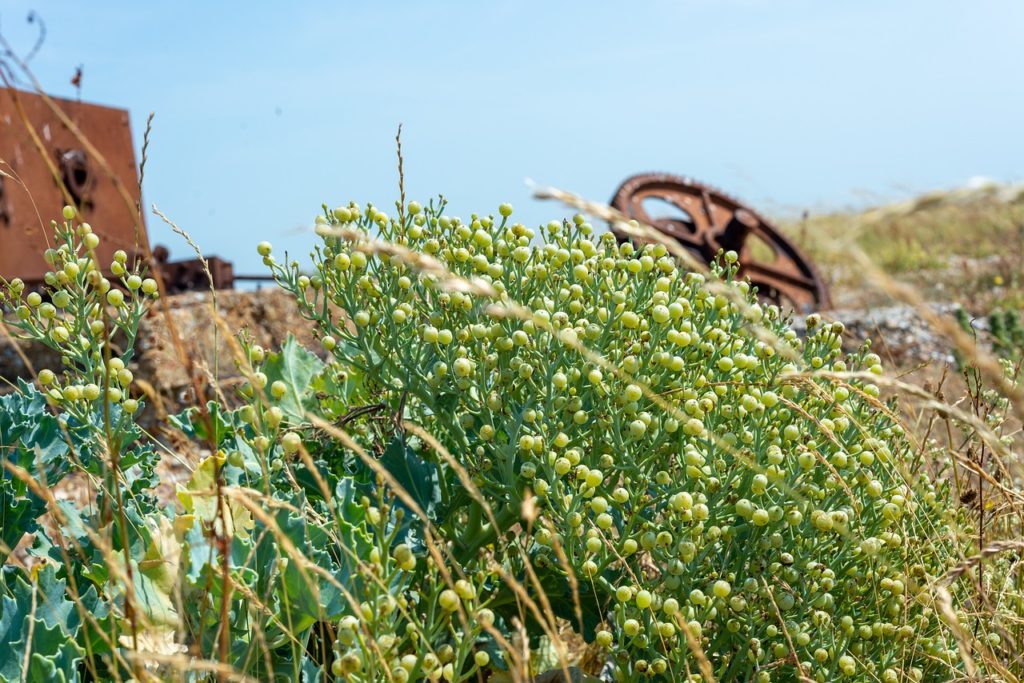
x: 899, y: 334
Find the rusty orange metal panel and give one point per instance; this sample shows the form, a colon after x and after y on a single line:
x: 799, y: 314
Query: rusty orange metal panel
x: 27, y: 207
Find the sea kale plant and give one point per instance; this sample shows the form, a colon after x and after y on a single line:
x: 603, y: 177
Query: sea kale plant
x: 505, y: 437
x: 254, y: 568
x: 650, y: 454
x: 90, y: 585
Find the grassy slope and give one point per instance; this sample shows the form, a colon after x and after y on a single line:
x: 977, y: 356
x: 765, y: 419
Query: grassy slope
x: 964, y: 246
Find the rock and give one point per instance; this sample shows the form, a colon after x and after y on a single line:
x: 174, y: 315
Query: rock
x: 209, y: 338
x: 269, y: 315
x: 898, y: 333
x: 12, y: 365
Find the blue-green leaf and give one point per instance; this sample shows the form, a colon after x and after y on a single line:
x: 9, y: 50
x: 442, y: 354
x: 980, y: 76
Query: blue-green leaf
x: 38, y: 620
x: 414, y: 474
x: 297, y: 368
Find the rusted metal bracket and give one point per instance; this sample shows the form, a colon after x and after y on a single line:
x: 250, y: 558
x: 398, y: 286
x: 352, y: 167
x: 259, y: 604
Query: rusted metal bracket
x: 5, y: 215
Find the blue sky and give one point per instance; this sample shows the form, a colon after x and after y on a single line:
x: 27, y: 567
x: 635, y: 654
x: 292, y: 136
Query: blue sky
x: 266, y: 110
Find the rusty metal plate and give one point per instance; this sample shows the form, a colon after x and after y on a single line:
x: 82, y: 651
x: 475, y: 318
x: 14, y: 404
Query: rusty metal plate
x: 25, y: 216
x: 705, y: 220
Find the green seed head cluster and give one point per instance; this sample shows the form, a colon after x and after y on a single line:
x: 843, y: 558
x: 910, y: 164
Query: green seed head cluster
x: 726, y: 493
x: 409, y: 625
x: 77, y: 313
x: 404, y: 621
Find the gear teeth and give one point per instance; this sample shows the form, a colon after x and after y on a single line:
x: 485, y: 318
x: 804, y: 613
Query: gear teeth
x: 691, y: 182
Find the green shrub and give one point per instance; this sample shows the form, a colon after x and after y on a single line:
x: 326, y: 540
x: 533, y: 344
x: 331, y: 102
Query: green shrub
x: 507, y: 431
x: 128, y: 583
x: 717, y: 506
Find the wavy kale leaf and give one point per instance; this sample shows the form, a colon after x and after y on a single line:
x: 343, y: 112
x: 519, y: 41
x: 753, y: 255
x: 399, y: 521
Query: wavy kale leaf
x: 297, y: 368
x: 40, y: 627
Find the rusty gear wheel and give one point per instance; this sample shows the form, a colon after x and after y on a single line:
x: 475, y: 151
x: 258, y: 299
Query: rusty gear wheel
x: 706, y: 220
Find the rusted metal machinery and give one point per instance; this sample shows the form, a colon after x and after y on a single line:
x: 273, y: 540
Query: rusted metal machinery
x: 706, y: 220
x: 46, y: 157
x: 51, y: 164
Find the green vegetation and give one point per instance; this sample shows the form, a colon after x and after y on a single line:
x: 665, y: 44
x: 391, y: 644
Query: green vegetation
x: 513, y: 436
x: 1004, y: 329
x: 968, y: 242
